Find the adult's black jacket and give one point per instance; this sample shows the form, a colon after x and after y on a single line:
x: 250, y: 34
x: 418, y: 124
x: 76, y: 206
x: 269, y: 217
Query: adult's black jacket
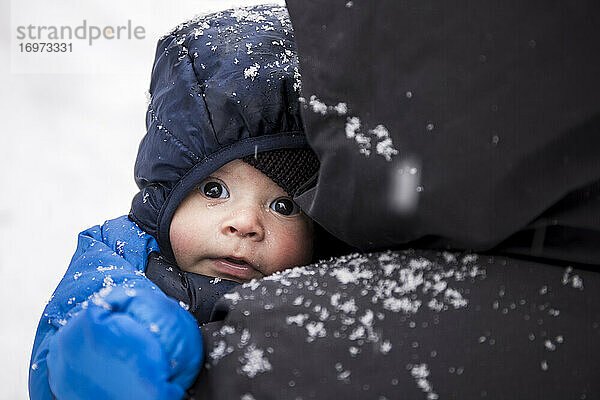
x: 480, y: 120
x: 470, y: 125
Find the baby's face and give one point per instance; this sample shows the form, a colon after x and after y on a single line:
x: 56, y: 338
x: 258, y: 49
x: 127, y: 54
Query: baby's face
x: 239, y: 225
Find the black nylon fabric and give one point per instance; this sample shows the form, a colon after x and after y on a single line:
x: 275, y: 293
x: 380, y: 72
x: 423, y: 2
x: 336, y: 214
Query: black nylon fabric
x: 437, y: 124
x: 223, y: 86
x: 408, y: 325
x: 462, y: 123
x: 197, y: 293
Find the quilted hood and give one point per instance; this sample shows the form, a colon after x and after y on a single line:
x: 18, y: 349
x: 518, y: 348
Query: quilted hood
x: 224, y: 86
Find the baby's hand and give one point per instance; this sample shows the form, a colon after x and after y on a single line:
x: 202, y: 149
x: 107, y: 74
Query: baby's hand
x: 132, y: 344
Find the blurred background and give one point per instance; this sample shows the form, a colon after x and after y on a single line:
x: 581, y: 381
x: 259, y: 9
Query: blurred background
x: 69, y: 130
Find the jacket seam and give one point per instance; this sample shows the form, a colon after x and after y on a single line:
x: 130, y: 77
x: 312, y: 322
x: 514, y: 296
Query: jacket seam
x: 177, y: 141
x: 201, y: 85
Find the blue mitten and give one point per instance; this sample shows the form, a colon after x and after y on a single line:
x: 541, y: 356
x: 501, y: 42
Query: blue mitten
x: 130, y: 344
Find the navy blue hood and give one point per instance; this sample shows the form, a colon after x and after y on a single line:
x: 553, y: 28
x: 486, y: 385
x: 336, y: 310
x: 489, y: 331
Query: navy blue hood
x: 223, y: 86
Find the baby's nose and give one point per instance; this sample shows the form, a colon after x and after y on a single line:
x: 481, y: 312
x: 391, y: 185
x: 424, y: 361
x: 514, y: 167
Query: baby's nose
x: 245, y: 223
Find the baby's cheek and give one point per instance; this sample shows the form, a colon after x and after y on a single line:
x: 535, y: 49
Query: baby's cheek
x: 291, y: 249
x: 181, y: 242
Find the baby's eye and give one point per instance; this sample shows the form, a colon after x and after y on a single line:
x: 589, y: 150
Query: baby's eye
x: 214, y: 190
x: 285, y: 206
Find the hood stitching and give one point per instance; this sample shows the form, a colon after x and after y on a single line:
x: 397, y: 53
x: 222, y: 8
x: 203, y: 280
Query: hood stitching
x: 201, y: 86
x: 175, y: 139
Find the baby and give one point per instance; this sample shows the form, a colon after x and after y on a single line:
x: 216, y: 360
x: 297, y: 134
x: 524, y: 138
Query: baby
x: 238, y: 224
x: 222, y: 160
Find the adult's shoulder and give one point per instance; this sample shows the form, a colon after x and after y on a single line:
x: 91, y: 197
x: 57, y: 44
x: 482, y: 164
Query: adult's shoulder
x: 415, y: 324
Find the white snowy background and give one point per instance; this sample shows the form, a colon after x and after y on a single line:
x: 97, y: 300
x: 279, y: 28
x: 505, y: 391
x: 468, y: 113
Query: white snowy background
x: 68, y: 144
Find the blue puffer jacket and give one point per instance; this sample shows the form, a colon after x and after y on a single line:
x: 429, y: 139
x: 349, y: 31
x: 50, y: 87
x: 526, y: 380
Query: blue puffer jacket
x: 223, y: 86
x: 109, y: 262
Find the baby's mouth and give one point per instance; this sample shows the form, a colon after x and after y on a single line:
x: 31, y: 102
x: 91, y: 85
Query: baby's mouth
x: 235, y: 268
x: 237, y: 261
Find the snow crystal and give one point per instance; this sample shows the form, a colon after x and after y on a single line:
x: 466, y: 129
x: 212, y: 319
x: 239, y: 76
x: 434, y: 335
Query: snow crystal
x: 120, y: 244
x: 233, y: 297
x: 420, y: 263
x: 253, y: 284
x: 386, y: 149
x: 324, y: 314
x: 227, y: 330
x: 197, y: 32
x: 385, y: 347
x: 403, y: 304
x: 297, y: 319
x: 449, y: 257
x: 104, y: 269
x: 315, y: 329
x: 345, y: 275
x: 245, y: 337
x: 575, y: 280
x: 385, y: 257
x: 352, y: 126
x: 357, y: 333
x: 380, y: 131
x: 343, y: 375
x: 98, y: 298
x: 107, y: 282
x: 384, y: 145
x: 341, y: 108
x: 317, y: 105
x: 410, y: 281
x: 388, y: 269
x: 367, y: 319
x: 455, y: 298
x: 252, y: 71
x: 420, y: 373
x: 243, y: 14
x: 254, y: 362
x: 470, y: 258
x: 219, y: 351
x: 436, y: 305
x: 348, y: 307
x: 549, y: 345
